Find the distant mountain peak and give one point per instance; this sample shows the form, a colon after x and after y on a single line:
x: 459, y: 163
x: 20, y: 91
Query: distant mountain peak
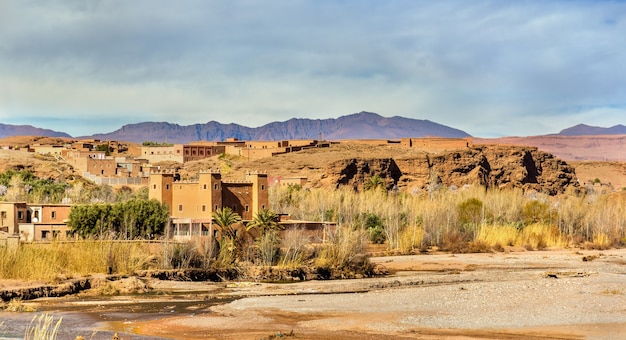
x: 361, y: 125
x: 586, y: 130
x: 7, y: 130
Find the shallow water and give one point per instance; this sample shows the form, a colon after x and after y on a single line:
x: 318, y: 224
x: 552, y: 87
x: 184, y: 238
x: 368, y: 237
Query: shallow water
x: 100, y: 317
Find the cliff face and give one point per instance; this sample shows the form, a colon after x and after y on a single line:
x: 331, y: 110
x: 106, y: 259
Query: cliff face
x: 491, y: 167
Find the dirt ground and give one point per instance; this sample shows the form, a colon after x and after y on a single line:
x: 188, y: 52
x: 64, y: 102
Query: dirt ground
x: 522, y: 295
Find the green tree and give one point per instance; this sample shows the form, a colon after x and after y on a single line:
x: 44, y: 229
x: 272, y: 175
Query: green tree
x: 268, y: 242
x: 264, y: 220
x: 470, y: 211
x: 91, y: 220
x: 536, y: 211
x: 374, y: 226
x: 129, y: 219
x: 105, y: 148
x: 226, y: 218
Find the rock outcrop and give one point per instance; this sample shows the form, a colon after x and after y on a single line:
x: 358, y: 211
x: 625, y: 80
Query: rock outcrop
x: 489, y: 166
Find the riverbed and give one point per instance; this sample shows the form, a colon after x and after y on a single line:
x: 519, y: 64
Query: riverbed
x: 565, y: 294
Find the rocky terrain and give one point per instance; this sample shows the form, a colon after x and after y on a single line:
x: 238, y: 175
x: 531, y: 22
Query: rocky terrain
x: 414, y: 170
x: 410, y: 170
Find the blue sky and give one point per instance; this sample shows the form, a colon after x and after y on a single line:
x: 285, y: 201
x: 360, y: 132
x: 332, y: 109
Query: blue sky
x: 490, y: 68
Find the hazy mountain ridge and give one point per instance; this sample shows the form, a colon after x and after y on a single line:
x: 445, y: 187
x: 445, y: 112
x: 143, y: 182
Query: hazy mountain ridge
x: 7, y: 130
x: 587, y: 130
x: 363, y: 125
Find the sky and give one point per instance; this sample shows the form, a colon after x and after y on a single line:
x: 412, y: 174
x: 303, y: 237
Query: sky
x: 489, y: 68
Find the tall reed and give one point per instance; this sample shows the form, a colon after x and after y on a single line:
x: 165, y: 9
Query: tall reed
x: 441, y: 218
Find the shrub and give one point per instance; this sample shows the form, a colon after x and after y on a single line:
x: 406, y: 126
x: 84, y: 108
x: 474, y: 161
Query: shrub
x: 344, y: 247
x: 294, y: 247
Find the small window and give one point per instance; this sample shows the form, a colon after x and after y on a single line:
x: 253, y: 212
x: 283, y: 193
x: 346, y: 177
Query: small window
x: 262, y: 187
x: 247, y: 208
x: 204, y: 187
x: 215, y: 233
x: 216, y: 207
x: 3, y: 214
x: 167, y: 187
x: 203, y: 208
x: 215, y: 186
x: 180, y: 207
x: 154, y: 186
x: 20, y: 215
x: 234, y: 208
x: 263, y: 206
x: 53, y: 215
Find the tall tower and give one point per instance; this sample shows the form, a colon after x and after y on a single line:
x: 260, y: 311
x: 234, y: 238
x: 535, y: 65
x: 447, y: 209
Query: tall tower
x: 210, y: 192
x: 259, y: 192
x: 161, y: 187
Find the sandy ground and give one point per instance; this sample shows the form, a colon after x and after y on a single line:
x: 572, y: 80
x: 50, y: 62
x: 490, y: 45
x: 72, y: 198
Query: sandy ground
x: 525, y: 295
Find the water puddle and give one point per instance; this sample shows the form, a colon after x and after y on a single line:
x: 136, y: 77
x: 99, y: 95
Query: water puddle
x: 100, y: 317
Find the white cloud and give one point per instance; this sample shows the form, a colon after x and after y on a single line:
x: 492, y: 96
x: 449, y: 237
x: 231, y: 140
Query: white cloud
x: 489, y: 68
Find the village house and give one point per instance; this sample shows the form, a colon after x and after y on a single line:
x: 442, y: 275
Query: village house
x: 34, y: 222
x: 179, y: 153
x: 287, y: 180
x: 192, y: 203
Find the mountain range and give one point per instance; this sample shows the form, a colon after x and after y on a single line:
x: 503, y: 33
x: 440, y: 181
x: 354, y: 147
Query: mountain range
x: 363, y: 125
x: 7, y: 130
x: 586, y: 130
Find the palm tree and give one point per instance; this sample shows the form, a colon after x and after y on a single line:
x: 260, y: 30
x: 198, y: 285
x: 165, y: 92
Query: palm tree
x: 225, y: 218
x: 375, y: 182
x: 264, y: 220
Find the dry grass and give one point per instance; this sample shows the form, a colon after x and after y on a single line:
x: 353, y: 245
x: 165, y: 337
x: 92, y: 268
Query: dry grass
x: 444, y: 219
x: 42, y: 328
x: 59, y: 260
x: 17, y: 305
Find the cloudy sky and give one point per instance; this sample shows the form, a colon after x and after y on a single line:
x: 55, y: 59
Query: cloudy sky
x: 490, y: 68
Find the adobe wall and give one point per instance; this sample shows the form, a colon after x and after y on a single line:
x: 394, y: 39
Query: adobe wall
x: 156, y: 154
x: 198, y: 152
x: 99, y: 167
x: 238, y: 197
x: 260, y: 153
x: 55, y: 213
x: 186, y: 203
x: 366, y: 141
x: 436, y: 143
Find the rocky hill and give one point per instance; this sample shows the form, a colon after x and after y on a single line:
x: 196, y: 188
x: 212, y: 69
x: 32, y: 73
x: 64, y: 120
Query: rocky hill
x: 412, y: 170
x: 363, y: 125
x: 491, y: 167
